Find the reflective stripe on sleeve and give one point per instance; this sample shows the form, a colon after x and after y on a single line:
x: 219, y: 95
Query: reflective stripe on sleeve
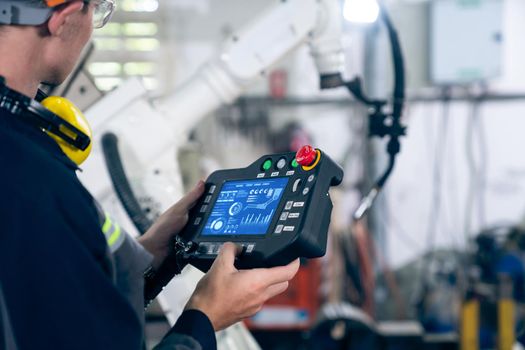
x: 113, y: 234
x: 107, y: 224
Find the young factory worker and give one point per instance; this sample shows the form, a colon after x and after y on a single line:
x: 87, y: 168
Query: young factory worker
x: 62, y: 286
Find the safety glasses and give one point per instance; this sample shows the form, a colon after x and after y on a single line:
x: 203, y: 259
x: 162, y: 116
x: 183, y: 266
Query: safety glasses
x: 103, y: 10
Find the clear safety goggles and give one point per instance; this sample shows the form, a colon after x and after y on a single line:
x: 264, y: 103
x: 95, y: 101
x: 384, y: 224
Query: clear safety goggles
x: 103, y: 10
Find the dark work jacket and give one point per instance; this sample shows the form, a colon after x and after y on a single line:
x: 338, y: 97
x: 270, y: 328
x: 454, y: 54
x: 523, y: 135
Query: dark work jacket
x: 56, y: 285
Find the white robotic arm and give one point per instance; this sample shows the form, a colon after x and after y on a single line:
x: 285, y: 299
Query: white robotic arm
x: 150, y: 135
x: 249, y: 53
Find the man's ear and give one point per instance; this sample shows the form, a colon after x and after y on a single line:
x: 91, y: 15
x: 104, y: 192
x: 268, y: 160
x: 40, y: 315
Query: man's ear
x: 61, y: 15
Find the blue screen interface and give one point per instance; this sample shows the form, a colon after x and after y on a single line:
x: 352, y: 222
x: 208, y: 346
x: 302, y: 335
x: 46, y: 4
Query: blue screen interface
x: 245, y: 207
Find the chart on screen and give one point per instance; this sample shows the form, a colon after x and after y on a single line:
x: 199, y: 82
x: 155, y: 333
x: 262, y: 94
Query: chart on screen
x: 245, y: 207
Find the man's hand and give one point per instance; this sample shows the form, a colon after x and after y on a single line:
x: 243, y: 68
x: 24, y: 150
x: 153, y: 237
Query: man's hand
x: 227, y: 295
x: 160, y: 236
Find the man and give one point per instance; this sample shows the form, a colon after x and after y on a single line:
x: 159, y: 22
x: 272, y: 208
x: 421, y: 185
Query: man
x: 59, y: 287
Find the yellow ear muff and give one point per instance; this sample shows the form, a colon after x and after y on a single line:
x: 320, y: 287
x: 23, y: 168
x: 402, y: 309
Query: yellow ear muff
x: 66, y: 110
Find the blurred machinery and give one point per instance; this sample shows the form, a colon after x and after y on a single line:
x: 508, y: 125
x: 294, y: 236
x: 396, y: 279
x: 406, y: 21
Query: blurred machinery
x: 478, y: 294
x: 470, y: 301
x: 492, y: 314
x: 297, y: 308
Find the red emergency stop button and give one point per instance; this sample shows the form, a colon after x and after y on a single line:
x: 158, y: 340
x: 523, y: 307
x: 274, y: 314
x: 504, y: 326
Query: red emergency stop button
x: 306, y: 156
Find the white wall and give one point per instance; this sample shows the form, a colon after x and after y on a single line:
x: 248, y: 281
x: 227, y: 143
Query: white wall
x: 410, y: 191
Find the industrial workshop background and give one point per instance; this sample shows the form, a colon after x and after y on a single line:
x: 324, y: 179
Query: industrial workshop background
x: 438, y: 263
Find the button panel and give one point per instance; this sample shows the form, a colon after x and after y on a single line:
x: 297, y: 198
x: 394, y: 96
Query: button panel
x: 212, y: 248
x: 292, y: 211
x: 209, y: 248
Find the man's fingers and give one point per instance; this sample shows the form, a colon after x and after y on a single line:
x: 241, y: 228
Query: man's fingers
x: 227, y: 255
x: 275, y: 289
x: 278, y: 274
x: 188, y: 201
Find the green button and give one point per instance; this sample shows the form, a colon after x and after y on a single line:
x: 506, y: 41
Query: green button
x: 294, y: 163
x: 267, y: 165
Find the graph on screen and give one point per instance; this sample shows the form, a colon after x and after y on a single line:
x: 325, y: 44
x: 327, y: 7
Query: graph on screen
x: 245, y: 207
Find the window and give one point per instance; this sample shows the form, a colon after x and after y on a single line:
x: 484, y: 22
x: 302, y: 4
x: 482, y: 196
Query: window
x: 128, y: 46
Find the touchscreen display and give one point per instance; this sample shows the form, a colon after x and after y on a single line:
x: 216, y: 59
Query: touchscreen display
x: 245, y: 207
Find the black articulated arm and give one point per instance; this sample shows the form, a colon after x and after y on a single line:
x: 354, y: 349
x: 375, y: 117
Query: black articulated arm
x: 381, y: 123
x: 121, y: 183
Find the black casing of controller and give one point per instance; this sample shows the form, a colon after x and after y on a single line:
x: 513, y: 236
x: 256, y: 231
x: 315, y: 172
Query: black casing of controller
x: 309, y: 235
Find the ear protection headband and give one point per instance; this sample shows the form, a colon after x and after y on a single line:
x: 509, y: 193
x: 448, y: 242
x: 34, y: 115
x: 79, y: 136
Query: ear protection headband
x: 56, y: 116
